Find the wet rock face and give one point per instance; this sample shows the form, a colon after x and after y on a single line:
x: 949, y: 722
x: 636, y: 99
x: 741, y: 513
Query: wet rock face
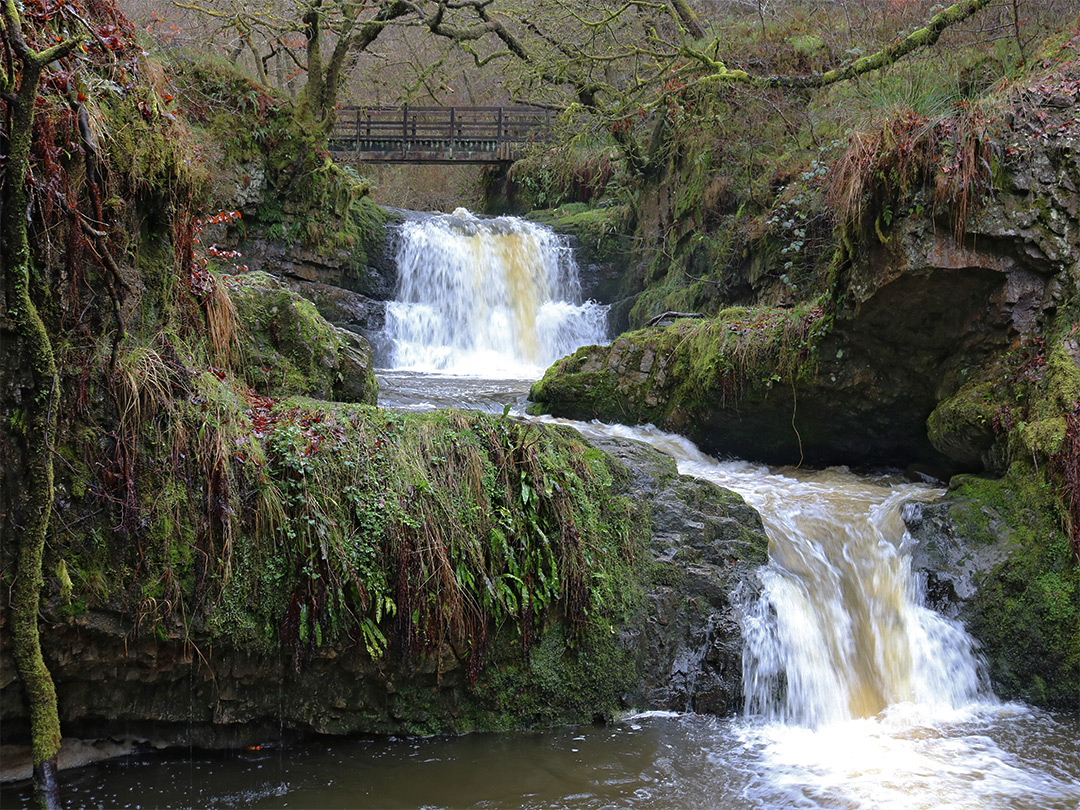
x: 376, y: 279
x: 950, y: 564
x: 684, y: 644
x: 992, y: 554
x: 706, y: 545
x: 345, y: 308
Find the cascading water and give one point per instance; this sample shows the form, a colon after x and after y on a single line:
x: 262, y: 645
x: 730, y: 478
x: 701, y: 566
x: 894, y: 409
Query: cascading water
x: 857, y: 695
x: 840, y: 630
x: 489, y: 297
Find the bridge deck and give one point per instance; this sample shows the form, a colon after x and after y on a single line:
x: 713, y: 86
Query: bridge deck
x: 437, y: 134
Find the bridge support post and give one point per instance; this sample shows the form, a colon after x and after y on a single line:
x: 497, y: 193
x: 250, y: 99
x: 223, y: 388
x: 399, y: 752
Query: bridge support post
x: 451, y: 141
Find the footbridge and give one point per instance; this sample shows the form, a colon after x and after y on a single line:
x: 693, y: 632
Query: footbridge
x: 437, y: 134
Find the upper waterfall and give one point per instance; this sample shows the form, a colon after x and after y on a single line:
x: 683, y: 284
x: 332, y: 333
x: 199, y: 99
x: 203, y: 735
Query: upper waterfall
x: 489, y: 296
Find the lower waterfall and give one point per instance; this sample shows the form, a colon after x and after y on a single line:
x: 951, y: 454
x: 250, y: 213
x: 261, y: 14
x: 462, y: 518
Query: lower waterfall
x: 856, y: 694
x: 840, y: 630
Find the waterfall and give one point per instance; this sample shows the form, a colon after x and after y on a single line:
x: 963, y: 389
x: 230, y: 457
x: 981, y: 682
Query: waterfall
x: 840, y: 630
x: 489, y: 297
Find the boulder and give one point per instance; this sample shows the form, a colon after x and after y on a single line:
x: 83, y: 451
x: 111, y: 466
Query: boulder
x: 345, y: 308
x: 994, y: 555
x: 706, y: 545
x: 289, y: 348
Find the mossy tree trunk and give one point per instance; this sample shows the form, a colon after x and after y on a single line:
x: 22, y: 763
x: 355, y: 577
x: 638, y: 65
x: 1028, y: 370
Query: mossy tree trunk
x: 324, y: 77
x: 39, y: 402
x: 925, y: 37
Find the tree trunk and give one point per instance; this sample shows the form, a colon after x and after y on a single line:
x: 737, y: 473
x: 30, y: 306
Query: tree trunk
x: 40, y: 402
x: 40, y: 425
x: 314, y: 89
x: 689, y: 18
x: 353, y: 39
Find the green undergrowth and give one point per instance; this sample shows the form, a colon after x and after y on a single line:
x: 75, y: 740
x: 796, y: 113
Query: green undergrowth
x: 576, y: 170
x: 452, y: 522
x: 274, y: 162
x: 601, y: 231
x: 744, y: 196
x: 298, y: 524
x: 733, y: 211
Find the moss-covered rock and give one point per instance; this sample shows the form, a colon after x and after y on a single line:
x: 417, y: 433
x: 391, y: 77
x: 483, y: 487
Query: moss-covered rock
x: 348, y: 249
x: 996, y: 554
x: 289, y: 348
x: 303, y: 214
x: 706, y: 544
x: 912, y: 324
x: 962, y: 426
x: 765, y: 383
x: 602, y: 244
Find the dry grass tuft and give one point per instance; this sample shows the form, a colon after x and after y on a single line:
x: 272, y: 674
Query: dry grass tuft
x: 222, y: 326
x: 950, y: 156
x: 143, y: 383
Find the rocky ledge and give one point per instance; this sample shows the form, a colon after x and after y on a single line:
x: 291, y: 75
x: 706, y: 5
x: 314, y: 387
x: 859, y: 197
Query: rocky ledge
x: 994, y: 555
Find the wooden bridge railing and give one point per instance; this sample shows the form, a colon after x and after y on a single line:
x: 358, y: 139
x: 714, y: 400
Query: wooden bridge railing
x: 437, y: 134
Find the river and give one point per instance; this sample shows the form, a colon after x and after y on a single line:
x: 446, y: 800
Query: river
x: 857, y: 696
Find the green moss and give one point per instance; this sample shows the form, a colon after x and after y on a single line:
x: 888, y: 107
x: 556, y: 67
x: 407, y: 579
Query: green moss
x: 1044, y: 436
x: 73, y: 474
x: 1026, y: 613
x: 673, y: 375
x: 289, y: 348
x: 962, y: 426
x: 417, y: 530
x: 145, y: 147
x: 1062, y: 378
x: 601, y: 231
x: 156, y: 267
